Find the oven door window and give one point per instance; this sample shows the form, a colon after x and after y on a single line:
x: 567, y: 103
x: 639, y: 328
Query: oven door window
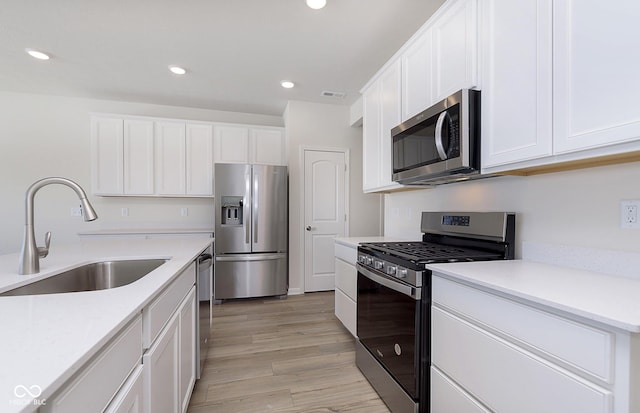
x: 417, y: 145
x: 387, y: 322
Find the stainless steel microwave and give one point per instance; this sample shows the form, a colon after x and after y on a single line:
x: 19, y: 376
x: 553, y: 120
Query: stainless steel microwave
x: 441, y: 144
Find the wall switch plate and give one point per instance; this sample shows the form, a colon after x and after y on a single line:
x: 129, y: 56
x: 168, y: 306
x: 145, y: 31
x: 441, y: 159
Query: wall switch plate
x: 184, y: 212
x: 629, y: 213
x: 124, y: 212
x: 76, y: 211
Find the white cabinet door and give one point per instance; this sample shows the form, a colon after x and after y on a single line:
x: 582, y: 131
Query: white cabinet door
x: 138, y: 157
x: 187, y: 367
x: 199, y: 168
x: 455, y: 48
x: 390, y: 86
x: 267, y: 146
x: 596, y: 66
x: 161, y: 367
x: 416, y: 76
x: 381, y: 113
x: 107, y: 156
x: 370, y: 137
x: 170, y: 158
x: 516, y: 81
x: 231, y: 144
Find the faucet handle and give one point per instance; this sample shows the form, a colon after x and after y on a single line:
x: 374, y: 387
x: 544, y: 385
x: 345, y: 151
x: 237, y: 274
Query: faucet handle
x: 44, y: 251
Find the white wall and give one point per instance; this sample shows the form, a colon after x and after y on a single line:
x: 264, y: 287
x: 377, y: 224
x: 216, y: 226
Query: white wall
x: 44, y: 136
x: 578, y: 208
x: 324, y: 126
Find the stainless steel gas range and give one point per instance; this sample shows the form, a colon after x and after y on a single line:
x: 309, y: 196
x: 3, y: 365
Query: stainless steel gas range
x: 394, y: 298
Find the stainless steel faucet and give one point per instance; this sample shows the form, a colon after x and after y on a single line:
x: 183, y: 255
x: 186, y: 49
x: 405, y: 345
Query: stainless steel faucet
x: 31, y: 253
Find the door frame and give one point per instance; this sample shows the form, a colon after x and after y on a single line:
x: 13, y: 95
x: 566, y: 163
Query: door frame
x: 347, y: 177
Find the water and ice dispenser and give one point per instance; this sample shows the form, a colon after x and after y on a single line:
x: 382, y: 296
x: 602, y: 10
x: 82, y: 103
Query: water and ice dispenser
x: 232, y: 208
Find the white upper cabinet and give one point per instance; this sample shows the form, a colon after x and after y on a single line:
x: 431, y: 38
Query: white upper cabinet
x: 267, y: 146
x: 516, y: 86
x: 455, y: 48
x: 596, y: 73
x: 231, y: 144
x: 107, y: 155
x: 442, y: 58
x: 559, y: 83
x: 416, y: 76
x: 390, y: 113
x: 246, y: 144
x: 170, y: 147
x: 381, y: 113
x: 371, y: 137
x: 199, y: 146
x: 138, y: 157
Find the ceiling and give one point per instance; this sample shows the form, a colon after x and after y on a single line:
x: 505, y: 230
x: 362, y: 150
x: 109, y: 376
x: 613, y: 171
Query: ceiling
x: 236, y: 52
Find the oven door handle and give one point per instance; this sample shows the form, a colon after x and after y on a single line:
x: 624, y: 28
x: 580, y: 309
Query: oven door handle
x: 397, y: 286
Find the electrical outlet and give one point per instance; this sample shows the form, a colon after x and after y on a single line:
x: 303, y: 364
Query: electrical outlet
x: 184, y: 212
x: 629, y: 213
x: 124, y: 212
x: 76, y: 211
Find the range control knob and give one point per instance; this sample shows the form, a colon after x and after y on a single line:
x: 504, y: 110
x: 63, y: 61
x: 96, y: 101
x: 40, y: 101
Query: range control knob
x: 401, y: 273
x: 368, y: 260
x: 361, y: 259
x: 377, y: 264
x: 391, y: 270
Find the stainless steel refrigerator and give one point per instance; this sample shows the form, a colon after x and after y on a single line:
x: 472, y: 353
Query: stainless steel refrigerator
x: 251, y: 208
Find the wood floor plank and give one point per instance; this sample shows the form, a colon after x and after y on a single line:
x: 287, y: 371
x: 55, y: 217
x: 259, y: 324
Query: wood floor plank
x: 282, y: 356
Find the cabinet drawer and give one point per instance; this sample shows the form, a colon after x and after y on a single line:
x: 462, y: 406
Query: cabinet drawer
x: 553, y: 335
x: 129, y: 398
x: 347, y: 278
x: 507, y: 378
x: 96, y: 385
x: 346, y: 311
x: 347, y: 254
x: 447, y: 397
x: 156, y: 314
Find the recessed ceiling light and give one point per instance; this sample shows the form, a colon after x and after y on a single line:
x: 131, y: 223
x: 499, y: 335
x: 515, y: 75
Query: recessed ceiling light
x: 37, y: 54
x: 287, y: 84
x: 316, y: 4
x: 177, y: 70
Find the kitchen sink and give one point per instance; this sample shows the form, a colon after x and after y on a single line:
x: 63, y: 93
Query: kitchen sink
x: 96, y: 276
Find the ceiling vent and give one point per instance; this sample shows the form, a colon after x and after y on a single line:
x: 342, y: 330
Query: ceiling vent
x: 330, y: 94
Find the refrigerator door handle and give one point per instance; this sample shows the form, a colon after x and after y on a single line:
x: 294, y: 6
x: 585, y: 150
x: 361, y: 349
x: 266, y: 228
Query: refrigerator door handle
x: 247, y: 208
x: 255, y: 257
x: 254, y: 212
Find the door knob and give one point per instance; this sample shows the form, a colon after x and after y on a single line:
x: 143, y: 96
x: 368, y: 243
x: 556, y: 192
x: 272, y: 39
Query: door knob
x: 309, y: 228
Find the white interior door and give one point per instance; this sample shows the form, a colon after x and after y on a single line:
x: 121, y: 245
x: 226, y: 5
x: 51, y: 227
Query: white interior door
x: 325, y: 183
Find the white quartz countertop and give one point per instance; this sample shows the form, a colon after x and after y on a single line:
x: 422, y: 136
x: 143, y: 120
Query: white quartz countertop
x: 607, y: 299
x: 355, y: 241
x: 47, y: 338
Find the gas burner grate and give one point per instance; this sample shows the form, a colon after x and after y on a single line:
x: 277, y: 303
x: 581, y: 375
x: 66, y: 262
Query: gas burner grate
x: 428, y: 253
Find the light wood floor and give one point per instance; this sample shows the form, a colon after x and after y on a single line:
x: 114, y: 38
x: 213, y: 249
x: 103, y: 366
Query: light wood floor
x: 283, y: 356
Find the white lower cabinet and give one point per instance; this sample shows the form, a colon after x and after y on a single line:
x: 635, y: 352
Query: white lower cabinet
x: 187, y: 349
x: 161, y: 371
x: 497, y: 353
x: 346, y: 286
x: 95, y: 385
x: 451, y: 398
x: 129, y: 398
x: 169, y: 363
x: 150, y: 366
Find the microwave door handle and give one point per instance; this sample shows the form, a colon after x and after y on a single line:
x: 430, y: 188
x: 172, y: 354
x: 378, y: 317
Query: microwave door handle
x: 438, y: 136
